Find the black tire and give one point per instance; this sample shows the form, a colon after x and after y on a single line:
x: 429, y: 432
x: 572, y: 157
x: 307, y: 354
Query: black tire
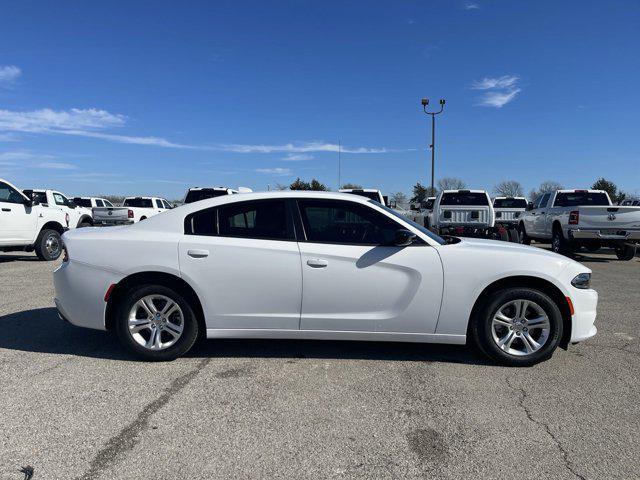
x: 625, y: 252
x: 48, y: 245
x: 514, y: 236
x: 524, y: 239
x: 84, y: 224
x: 181, y: 346
x: 558, y: 243
x: 481, y: 329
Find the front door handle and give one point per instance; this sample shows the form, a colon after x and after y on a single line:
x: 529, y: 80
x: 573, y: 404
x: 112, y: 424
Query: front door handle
x: 317, y: 263
x: 198, y: 253
x: 6, y: 209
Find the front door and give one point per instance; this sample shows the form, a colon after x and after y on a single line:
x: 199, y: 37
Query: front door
x: 18, y: 222
x: 244, y: 262
x: 354, y: 279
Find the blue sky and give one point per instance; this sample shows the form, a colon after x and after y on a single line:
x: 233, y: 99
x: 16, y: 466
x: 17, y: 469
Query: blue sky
x: 154, y: 97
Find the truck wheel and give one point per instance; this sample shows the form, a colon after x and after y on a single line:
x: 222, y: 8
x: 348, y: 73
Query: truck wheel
x: 522, y: 233
x: 514, y: 236
x: 48, y: 245
x: 85, y: 223
x: 503, y: 235
x: 518, y: 327
x: 626, y: 252
x: 558, y: 243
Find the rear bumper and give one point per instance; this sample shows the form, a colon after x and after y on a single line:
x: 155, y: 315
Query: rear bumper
x: 596, y: 234
x: 112, y: 223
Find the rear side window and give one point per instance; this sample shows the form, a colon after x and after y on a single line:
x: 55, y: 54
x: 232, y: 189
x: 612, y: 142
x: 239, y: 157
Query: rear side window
x: 83, y: 202
x: 542, y: 202
x: 203, y: 194
x: 260, y: 219
x: 99, y: 203
x: 574, y: 199
x: 335, y: 221
x: 159, y: 203
x: 464, y: 199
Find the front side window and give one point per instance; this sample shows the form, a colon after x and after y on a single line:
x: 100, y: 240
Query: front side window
x: 99, y: 203
x: 138, y: 202
x: 166, y: 205
x: 159, y: 203
x: 107, y: 203
x: 335, y: 221
x: 9, y: 194
x: 260, y: 219
x: 60, y: 199
x: 543, y: 200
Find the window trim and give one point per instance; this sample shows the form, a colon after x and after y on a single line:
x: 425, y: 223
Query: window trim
x: 303, y: 237
x: 291, y: 231
x: 20, y: 195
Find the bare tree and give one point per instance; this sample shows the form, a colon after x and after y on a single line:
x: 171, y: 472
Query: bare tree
x: 545, y: 187
x: 399, y: 198
x: 279, y: 186
x: 508, y: 188
x: 451, y: 183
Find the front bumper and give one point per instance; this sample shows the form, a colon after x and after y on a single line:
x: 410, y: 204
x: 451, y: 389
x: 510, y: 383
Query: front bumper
x: 597, y: 234
x: 585, y: 303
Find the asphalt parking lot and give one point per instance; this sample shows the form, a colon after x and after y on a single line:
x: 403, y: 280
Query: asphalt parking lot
x: 74, y: 406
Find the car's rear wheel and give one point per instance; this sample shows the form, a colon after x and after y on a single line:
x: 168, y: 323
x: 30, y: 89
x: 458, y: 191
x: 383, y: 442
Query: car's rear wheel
x: 518, y: 327
x: 156, y: 323
x: 48, y: 245
x: 625, y: 252
x: 524, y: 239
x: 558, y: 242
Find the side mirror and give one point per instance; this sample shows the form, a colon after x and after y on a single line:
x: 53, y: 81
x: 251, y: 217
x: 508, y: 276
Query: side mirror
x: 529, y: 205
x: 404, y: 238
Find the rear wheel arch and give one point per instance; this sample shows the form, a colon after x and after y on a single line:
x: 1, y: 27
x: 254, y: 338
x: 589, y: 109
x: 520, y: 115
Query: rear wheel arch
x: 154, y: 278
x: 53, y: 226
x: 524, y: 281
x: 85, y: 219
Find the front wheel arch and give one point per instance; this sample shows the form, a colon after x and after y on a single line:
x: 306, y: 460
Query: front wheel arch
x: 156, y: 278
x: 526, y: 282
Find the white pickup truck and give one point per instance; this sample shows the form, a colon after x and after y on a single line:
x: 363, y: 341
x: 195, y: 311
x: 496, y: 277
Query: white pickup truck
x: 571, y: 219
x: 133, y: 209
x: 508, y: 211
x: 26, y: 225
x: 371, y: 193
x: 78, y: 216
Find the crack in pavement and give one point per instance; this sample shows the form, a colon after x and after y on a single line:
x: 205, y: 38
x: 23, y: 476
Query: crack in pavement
x: 561, y: 449
x: 128, y: 436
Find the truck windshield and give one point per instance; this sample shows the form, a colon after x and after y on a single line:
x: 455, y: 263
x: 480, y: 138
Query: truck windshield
x: 510, y: 203
x: 203, y: 194
x: 137, y: 202
x: 424, y: 230
x: 82, y: 202
x: 464, y: 199
x: 575, y: 199
x: 371, y: 195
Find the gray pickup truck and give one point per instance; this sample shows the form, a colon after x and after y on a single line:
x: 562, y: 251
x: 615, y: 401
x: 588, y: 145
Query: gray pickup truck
x: 572, y: 219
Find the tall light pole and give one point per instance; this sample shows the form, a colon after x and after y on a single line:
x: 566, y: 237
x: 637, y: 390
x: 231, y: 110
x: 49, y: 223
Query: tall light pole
x: 425, y: 104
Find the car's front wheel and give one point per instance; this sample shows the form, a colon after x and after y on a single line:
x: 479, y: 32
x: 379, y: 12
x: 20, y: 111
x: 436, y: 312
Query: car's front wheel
x: 625, y: 252
x: 156, y: 323
x: 48, y: 245
x: 518, y: 327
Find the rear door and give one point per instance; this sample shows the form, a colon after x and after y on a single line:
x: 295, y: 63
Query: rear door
x: 243, y: 260
x: 539, y: 217
x: 18, y: 222
x: 355, y: 279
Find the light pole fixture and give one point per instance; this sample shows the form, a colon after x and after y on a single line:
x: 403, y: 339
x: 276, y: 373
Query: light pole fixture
x: 425, y: 104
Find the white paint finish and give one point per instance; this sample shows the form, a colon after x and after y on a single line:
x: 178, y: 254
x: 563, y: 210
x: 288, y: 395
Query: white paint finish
x: 244, y: 283
x: 461, y: 214
x: 254, y: 287
x: 367, y: 288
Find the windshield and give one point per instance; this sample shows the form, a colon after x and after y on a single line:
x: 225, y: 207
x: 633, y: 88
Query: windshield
x: 372, y: 195
x: 510, y: 203
x: 137, y: 202
x: 82, y: 202
x: 203, y: 194
x: 424, y: 230
x: 464, y: 199
x: 574, y: 199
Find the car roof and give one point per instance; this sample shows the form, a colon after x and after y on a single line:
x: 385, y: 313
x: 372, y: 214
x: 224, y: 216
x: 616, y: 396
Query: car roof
x: 503, y: 198
x: 345, y: 190
x: 464, y: 190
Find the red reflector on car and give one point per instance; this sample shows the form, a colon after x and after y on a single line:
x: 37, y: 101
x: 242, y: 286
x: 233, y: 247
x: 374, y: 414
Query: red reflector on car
x: 109, y: 290
x: 130, y: 213
x: 570, y: 303
x: 574, y: 217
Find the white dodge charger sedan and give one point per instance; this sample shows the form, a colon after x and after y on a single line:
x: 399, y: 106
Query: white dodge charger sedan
x: 316, y: 265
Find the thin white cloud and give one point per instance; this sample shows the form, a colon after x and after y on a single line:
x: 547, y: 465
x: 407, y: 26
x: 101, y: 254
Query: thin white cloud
x: 298, y: 148
x: 47, y: 120
x: 8, y: 74
x: 275, y: 171
x: 498, y: 99
x: 297, y: 157
x: 488, y: 83
x: 498, y: 91
x: 471, y: 6
x: 56, y: 165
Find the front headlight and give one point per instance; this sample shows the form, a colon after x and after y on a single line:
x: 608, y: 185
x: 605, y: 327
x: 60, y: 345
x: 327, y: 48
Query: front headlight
x: 582, y: 281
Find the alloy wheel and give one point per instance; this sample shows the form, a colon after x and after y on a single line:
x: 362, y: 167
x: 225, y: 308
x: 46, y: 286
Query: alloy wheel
x: 156, y: 322
x: 520, y: 327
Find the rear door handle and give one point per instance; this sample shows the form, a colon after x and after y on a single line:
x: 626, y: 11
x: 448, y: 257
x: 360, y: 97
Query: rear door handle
x: 198, y: 253
x: 6, y: 209
x: 317, y: 263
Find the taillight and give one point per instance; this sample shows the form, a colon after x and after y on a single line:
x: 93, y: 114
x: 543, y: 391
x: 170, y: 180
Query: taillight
x: 130, y: 213
x: 574, y: 217
x: 65, y: 254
